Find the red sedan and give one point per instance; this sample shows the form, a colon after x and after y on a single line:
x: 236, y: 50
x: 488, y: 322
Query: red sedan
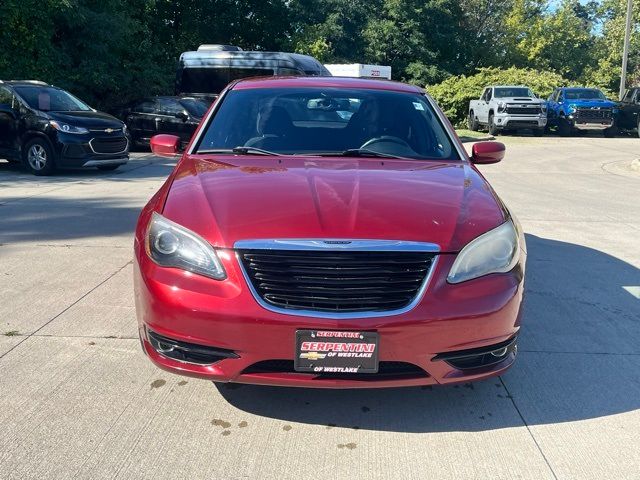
x: 328, y: 232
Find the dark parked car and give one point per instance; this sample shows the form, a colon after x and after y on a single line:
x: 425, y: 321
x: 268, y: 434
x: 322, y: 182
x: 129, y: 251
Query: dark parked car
x: 629, y: 111
x: 47, y: 128
x: 178, y: 116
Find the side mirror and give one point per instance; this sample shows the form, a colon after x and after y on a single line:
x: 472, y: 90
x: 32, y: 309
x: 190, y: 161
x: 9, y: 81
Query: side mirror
x: 165, y: 145
x: 487, y: 152
x: 184, y: 116
x: 6, y: 108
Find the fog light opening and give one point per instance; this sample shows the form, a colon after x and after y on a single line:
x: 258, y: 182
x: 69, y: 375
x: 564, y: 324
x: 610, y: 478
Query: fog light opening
x: 500, y: 353
x: 187, y: 352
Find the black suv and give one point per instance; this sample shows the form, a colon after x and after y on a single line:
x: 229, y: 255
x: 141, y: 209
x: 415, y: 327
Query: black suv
x: 629, y: 111
x: 47, y: 128
x: 178, y: 116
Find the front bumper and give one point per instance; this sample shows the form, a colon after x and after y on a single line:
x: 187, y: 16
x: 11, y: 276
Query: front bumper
x: 586, y: 125
x: 507, y: 120
x: 83, y: 151
x: 225, y: 316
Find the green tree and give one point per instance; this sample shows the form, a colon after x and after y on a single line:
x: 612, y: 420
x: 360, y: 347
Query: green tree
x: 607, y: 52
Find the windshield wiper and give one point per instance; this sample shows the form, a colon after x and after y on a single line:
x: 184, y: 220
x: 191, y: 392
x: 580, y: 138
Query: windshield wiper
x: 365, y: 152
x: 252, y: 151
x: 240, y: 151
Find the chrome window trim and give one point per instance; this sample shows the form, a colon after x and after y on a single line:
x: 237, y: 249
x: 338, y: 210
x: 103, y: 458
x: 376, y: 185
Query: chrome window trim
x: 326, y: 245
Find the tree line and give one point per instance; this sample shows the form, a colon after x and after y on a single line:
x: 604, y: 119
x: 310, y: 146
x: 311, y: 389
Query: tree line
x: 111, y: 51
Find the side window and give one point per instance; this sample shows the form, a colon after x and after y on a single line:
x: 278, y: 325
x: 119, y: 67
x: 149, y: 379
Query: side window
x: 637, y: 98
x: 484, y: 94
x: 489, y: 94
x: 144, y: 107
x: 6, y: 98
x: 169, y: 107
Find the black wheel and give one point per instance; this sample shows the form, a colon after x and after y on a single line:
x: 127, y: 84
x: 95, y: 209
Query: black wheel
x: 538, y: 132
x: 472, y: 122
x: 493, y: 130
x: 564, y: 128
x: 38, y: 157
x: 611, y: 131
x: 108, y: 168
x: 638, y: 127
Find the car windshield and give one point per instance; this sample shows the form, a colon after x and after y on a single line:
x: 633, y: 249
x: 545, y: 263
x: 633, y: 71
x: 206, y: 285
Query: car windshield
x: 584, y: 94
x: 328, y: 121
x: 196, y: 108
x: 50, y: 99
x: 506, y: 92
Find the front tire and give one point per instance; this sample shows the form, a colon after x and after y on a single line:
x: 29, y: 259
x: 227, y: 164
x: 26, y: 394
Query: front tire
x: 472, y: 122
x: 538, y: 132
x: 611, y: 132
x: 108, y: 168
x: 639, y: 127
x: 493, y: 130
x: 39, y: 157
x: 564, y: 128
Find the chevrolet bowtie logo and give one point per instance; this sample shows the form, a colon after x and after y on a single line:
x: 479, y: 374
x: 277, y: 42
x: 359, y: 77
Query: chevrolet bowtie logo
x: 109, y: 130
x: 313, y: 355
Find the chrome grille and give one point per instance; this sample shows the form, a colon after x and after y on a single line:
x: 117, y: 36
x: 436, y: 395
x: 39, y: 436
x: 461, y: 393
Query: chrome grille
x: 524, y: 110
x: 336, y: 281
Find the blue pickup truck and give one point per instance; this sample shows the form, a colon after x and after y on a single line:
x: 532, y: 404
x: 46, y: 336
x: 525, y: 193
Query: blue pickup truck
x: 571, y: 109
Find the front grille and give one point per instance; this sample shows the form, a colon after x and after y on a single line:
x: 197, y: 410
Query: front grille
x: 522, y: 123
x: 524, y: 110
x: 109, y: 145
x: 386, y: 371
x: 336, y: 281
x: 586, y: 114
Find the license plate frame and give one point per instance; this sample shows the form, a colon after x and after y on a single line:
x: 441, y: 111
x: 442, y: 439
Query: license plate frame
x: 336, y: 352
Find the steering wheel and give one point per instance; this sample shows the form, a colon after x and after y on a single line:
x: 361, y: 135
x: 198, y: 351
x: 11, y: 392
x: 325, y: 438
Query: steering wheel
x: 386, y: 139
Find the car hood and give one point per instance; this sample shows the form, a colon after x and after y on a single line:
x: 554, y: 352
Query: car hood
x: 86, y: 119
x: 591, y: 103
x: 523, y: 100
x: 231, y: 198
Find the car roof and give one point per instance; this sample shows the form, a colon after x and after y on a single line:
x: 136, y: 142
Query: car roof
x: 26, y: 83
x: 343, y: 82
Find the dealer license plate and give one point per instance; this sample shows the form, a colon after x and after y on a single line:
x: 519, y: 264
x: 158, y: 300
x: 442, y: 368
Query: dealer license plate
x: 324, y: 351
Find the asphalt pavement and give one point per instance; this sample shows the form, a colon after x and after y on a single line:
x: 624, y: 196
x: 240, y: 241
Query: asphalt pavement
x: 78, y: 399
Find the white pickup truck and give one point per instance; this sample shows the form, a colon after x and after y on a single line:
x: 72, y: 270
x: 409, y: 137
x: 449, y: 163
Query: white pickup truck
x: 505, y: 107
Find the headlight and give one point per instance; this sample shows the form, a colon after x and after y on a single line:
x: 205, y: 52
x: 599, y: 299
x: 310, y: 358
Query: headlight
x: 572, y: 108
x: 63, y: 127
x: 496, y: 251
x: 543, y: 107
x: 170, y: 245
x: 502, y: 107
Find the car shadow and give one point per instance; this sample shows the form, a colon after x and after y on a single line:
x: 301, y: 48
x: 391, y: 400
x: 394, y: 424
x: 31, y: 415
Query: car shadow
x: 141, y: 165
x: 100, y: 205
x: 579, y: 358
